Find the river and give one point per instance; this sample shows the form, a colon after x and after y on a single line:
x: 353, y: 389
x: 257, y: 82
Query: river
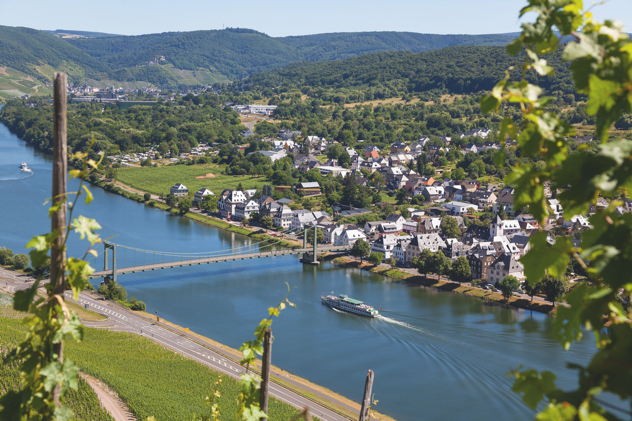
x: 436, y: 355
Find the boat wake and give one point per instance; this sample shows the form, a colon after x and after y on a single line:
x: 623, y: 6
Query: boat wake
x: 403, y: 324
x: 17, y: 175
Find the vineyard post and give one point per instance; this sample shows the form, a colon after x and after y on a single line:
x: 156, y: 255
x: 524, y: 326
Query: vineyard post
x: 366, y: 399
x: 58, y: 218
x: 265, y: 371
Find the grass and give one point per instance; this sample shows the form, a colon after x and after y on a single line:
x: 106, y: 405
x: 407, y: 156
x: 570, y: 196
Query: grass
x: 158, y: 180
x: 15, y: 83
x: 150, y: 379
x: 388, y: 199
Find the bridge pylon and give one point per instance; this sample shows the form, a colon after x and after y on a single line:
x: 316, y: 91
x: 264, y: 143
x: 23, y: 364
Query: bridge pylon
x: 313, y: 259
x: 106, y: 246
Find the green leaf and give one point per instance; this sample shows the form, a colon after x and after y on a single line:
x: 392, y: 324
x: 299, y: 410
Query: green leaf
x: 51, y: 373
x: 85, y: 227
x: 63, y: 413
x: 602, y: 94
x: 534, y: 386
x: 23, y: 298
x: 543, y: 257
x: 557, y: 412
x: 89, y: 196
x: 78, y: 272
x: 489, y: 103
x: 514, y: 47
x: 586, y: 47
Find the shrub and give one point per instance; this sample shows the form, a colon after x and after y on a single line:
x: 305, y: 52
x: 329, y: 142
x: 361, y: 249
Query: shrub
x: 147, y: 196
x: 376, y: 258
x: 152, y: 203
x: 21, y: 261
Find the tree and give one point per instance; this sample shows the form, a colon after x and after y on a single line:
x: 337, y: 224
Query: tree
x: 320, y: 237
x: 163, y: 148
x: 360, y: 249
x: 507, y: 285
x: 184, y: 205
x: 240, y: 187
x: 171, y: 201
x: 392, y: 262
x: 21, y: 261
x: 6, y: 256
x: 401, y: 196
x: 440, y: 264
x: 553, y: 288
x: 147, y: 196
x: 450, y: 227
x: 267, y: 222
x: 423, y: 262
x: 461, y: 270
x: 43, y: 269
x: 376, y: 258
x: 531, y: 289
x: 245, y: 221
x: 110, y: 173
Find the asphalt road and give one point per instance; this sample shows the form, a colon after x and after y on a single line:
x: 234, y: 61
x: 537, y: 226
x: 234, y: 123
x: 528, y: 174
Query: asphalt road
x: 126, y: 321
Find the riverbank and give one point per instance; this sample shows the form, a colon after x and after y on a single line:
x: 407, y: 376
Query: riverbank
x: 443, y: 285
x: 128, y: 192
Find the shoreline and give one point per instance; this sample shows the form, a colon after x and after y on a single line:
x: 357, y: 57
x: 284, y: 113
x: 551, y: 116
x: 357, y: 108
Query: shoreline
x: 443, y: 285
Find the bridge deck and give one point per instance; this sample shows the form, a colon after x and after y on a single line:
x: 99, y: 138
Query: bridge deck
x: 218, y: 259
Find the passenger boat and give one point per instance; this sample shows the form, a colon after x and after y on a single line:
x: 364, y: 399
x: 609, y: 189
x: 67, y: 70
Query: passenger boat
x: 344, y: 303
x: 23, y: 167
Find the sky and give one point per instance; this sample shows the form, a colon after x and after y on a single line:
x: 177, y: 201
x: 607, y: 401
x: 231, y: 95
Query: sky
x: 282, y: 17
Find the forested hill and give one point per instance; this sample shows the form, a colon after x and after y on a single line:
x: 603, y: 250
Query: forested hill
x: 456, y: 70
x: 342, y: 45
x: 238, y: 52
x: 25, y: 49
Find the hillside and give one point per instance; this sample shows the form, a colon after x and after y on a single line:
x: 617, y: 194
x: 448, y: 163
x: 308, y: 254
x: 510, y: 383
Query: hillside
x: 455, y: 70
x: 65, y: 33
x: 39, y: 54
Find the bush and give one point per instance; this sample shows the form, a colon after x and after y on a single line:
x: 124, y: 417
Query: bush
x: 147, y: 196
x: 113, y: 291
x: 376, y: 258
x: 152, y: 203
x: 21, y: 261
x: 137, y: 305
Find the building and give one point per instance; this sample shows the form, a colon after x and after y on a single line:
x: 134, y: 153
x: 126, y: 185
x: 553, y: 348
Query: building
x: 396, y: 219
x: 504, y: 265
x: 421, y: 242
x: 385, y: 245
x: 429, y: 225
x: 460, y: 208
x: 283, y: 217
x: 330, y: 231
x: 348, y: 237
x: 505, y: 200
x: 302, y: 219
x: 432, y: 194
x: 499, y: 227
x: 399, y: 251
x: 246, y: 209
x: 201, y: 194
x: 455, y: 249
x: 480, y: 260
x: 228, y: 200
x: 179, y: 190
x: 309, y: 189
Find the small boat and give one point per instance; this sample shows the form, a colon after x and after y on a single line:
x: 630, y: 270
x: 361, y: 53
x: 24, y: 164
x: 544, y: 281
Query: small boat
x: 23, y: 167
x: 344, y: 303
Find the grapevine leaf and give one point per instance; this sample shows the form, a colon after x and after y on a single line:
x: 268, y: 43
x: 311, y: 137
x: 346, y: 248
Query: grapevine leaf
x: 89, y: 196
x: 23, y: 298
x: 534, y: 386
x: 542, y: 257
x: 78, y: 272
x: 63, y: 413
x: 85, y: 227
x: 51, y: 374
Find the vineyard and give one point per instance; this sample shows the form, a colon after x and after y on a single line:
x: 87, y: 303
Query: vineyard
x: 84, y: 401
x: 150, y: 379
x: 158, y: 180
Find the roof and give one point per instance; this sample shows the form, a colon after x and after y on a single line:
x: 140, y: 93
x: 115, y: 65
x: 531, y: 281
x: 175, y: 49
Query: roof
x: 351, y: 300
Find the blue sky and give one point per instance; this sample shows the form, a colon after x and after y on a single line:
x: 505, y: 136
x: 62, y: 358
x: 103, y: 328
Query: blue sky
x: 281, y: 17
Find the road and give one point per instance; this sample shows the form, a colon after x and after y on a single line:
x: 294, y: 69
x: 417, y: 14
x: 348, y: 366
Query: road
x: 125, y: 320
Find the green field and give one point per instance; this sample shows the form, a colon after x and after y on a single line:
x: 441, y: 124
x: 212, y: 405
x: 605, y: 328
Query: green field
x: 158, y: 180
x: 150, y: 379
x: 15, y: 83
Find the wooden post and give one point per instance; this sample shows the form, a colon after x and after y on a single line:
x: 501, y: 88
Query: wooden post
x: 58, y: 219
x: 366, y: 399
x: 265, y: 371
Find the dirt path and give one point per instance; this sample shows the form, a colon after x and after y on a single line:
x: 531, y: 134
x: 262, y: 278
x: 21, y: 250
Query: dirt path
x: 109, y: 400
x: 3, y: 71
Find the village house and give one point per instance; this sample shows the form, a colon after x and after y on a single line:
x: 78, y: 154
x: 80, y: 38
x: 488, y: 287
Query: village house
x: 309, y: 189
x: 483, y: 198
x: 429, y: 225
x: 349, y: 237
x: 330, y: 231
x: 505, y: 199
x: 480, y: 260
x: 421, y: 242
x: 301, y: 219
x: 283, y: 217
x: 269, y: 208
x: 396, y: 219
x: 400, y: 147
x: 432, y: 194
x: 228, y: 200
x: 246, y: 209
x: 201, y: 194
x: 385, y: 245
x: 460, y: 208
x: 504, y: 265
x: 399, y: 251
x: 499, y: 227
x: 179, y: 190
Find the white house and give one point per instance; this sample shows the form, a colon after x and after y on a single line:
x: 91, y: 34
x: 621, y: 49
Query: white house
x: 349, y: 237
x: 228, y: 200
x: 421, y: 242
x: 385, y: 245
x: 201, y: 194
x: 499, y: 227
x: 179, y: 190
x: 504, y: 265
x: 301, y: 219
x: 398, y: 220
x: 460, y: 208
x: 399, y: 251
x: 283, y: 217
x: 246, y: 209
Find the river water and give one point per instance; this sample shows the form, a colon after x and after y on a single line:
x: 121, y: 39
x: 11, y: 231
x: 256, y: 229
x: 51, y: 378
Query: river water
x: 436, y: 356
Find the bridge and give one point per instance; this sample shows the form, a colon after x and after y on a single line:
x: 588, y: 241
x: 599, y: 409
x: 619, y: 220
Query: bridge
x: 165, y: 260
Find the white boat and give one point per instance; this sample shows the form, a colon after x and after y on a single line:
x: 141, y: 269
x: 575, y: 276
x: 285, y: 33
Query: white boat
x: 349, y: 305
x: 23, y: 167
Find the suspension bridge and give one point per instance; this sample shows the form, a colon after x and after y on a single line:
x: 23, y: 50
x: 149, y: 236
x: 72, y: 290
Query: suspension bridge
x: 137, y: 260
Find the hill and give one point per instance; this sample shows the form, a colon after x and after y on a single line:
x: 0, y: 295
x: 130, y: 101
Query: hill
x: 455, y: 70
x: 65, y: 33
x: 39, y: 54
